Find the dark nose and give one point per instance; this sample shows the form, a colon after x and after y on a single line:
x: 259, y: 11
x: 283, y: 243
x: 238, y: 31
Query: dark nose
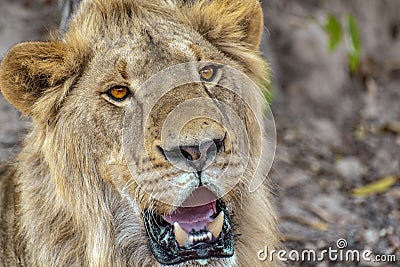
x: 196, y: 155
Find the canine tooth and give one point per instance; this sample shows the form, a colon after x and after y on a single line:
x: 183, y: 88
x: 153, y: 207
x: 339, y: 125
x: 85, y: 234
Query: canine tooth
x: 180, y: 235
x: 191, y: 239
x: 209, y: 235
x: 215, y: 227
x: 204, y: 237
x: 202, y: 261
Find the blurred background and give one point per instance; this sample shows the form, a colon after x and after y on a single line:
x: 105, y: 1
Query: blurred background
x: 335, y: 95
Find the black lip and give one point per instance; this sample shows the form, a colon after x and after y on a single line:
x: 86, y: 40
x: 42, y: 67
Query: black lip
x: 167, y: 251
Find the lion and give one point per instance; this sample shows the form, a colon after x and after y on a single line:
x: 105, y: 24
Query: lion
x: 84, y: 192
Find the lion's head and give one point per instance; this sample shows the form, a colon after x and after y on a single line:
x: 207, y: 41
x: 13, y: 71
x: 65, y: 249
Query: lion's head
x: 145, y: 151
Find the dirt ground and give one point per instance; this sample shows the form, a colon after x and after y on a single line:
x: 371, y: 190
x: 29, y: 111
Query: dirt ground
x: 337, y: 131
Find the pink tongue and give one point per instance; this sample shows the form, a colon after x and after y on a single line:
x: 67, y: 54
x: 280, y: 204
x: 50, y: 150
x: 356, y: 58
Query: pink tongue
x: 196, y: 211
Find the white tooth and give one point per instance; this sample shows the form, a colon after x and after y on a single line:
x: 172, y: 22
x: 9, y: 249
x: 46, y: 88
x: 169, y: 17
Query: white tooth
x: 180, y: 235
x: 195, y: 238
x: 209, y: 235
x: 202, y: 262
x: 215, y: 227
x: 204, y: 237
x: 191, y: 239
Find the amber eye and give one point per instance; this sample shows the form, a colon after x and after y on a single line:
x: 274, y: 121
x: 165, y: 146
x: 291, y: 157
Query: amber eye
x: 118, y: 93
x: 208, y: 73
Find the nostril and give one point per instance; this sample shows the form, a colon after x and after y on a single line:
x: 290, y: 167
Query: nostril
x: 219, y: 144
x: 186, y: 155
x: 162, y: 152
x: 191, y: 153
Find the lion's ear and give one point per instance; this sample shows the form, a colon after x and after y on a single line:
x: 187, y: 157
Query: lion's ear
x: 224, y: 22
x: 29, y: 69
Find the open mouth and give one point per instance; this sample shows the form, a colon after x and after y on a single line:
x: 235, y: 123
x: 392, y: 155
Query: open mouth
x: 191, y: 233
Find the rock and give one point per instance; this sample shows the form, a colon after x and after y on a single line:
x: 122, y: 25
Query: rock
x: 350, y: 168
x: 371, y: 236
x: 326, y: 132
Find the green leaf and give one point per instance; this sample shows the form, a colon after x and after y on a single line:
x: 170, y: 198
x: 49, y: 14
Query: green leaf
x: 268, y: 94
x: 334, y: 30
x: 355, y: 53
x: 354, y: 61
x: 379, y: 186
x: 354, y: 33
x: 267, y: 89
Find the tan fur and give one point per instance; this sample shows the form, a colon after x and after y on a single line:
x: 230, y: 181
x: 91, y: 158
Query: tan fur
x: 68, y: 199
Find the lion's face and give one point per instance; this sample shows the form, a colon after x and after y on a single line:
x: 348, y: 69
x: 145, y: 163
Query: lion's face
x: 174, y: 164
x: 178, y: 153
